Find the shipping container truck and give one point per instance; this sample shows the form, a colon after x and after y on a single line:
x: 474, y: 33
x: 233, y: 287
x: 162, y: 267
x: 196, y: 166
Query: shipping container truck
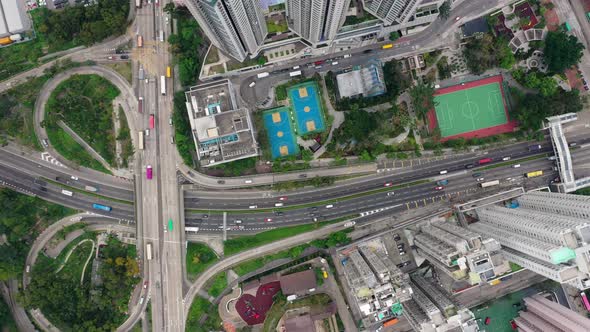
x: 148, y: 251
x: 152, y: 121
x: 140, y: 136
x: 262, y: 75
x: 67, y: 192
x: 484, y: 161
x: 295, y: 73
x: 489, y: 183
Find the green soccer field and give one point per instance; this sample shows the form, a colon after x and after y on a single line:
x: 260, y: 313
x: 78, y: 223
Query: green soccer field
x: 470, y: 109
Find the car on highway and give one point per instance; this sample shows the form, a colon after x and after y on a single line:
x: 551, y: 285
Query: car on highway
x: 457, y: 18
x: 111, y: 58
x: 506, y: 158
x: 468, y: 166
x: 391, y: 193
x: 439, y: 188
x: 75, y: 178
x: 205, y: 216
x: 283, y: 198
x: 516, y: 166
x: 444, y: 171
x: 388, y: 184
x: 145, y: 284
x: 279, y: 213
x: 329, y: 206
x: 124, y: 57
x: 476, y: 175
x: 267, y: 219
x: 238, y: 221
x: 479, y: 179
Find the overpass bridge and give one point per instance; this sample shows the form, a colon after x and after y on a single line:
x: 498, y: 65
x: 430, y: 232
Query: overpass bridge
x: 568, y: 182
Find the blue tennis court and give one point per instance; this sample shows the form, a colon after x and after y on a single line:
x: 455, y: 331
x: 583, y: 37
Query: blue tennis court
x: 280, y: 133
x: 306, y: 106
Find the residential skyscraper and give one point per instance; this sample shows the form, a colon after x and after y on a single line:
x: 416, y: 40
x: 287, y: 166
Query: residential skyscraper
x: 236, y: 27
x: 402, y: 14
x: 316, y: 21
x: 547, y: 233
x: 545, y: 315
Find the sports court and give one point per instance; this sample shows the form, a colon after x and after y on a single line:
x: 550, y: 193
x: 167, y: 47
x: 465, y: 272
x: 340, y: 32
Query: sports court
x: 306, y: 106
x: 473, y: 109
x: 280, y: 133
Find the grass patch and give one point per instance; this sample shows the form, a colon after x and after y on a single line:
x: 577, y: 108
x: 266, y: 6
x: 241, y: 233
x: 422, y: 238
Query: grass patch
x: 218, y: 285
x: 123, y: 68
x: 514, y: 162
x: 85, y: 104
x: 515, y: 267
x: 217, y: 69
x: 279, y: 27
x: 198, y: 258
x: 212, y: 56
x: 125, y: 137
x: 329, y: 201
x: 75, y: 264
x: 71, y: 150
x: 203, y: 316
x: 88, y: 193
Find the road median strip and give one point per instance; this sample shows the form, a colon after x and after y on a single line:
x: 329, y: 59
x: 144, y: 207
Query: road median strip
x: 307, y: 205
x: 88, y: 193
x: 513, y: 162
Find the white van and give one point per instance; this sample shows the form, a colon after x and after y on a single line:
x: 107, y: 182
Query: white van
x: 443, y: 172
x: 334, y: 63
x: 238, y: 221
x: 253, y: 207
x: 516, y: 166
x: 147, y: 132
x: 278, y: 204
x: 329, y: 206
x: 252, y: 84
x: 248, y: 181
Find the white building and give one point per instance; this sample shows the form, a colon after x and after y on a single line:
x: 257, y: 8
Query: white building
x: 13, y: 17
x: 236, y: 27
x: 316, y: 21
x: 403, y: 14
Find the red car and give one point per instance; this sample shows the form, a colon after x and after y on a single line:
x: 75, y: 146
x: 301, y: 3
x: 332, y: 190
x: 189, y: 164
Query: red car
x: 439, y: 188
x: 284, y: 198
x: 513, y: 325
x: 487, y: 321
x: 268, y: 220
x: 388, y: 184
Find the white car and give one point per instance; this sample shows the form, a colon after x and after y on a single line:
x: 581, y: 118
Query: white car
x: 391, y: 193
x: 75, y: 178
x: 506, y: 158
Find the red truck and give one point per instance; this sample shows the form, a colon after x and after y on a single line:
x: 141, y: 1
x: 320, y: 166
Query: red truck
x: 140, y: 101
x: 484, y: 161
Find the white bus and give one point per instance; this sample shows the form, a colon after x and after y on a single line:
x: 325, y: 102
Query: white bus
x: 489, y: 183
x: 163, y: 85
x: 295, y: 73
x: 161, y: 35
x: 148, y: 251
x: 262, y: 75
x: 140, y: 134
x: 67, y: 192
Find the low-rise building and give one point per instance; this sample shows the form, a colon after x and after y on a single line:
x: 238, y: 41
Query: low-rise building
x: 299, y: 283
x: 366, y: 80
x: 221, y: 131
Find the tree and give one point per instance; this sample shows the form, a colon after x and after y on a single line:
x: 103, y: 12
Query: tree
x: 170, y: 8
x: 562, y: 51
x: 394, y: 35
x: 444, y: 11
x: 535, y: 108
x: 422, y: 96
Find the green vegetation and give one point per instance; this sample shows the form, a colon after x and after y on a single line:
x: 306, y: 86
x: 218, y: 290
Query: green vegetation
x: 515, y: 267
x: 443, y: 67
x: 203, y: 316
x: 61, y: 234
x: 316, y: 302
x: 17, y: 105
x: 22, y: 219
x: 422, y: 96
x: 354, y: 20
x: 182, y: 129
x: 125, y: 137
x: 318, y: 182
x: 394, y: 35
x: 218, y: 285
x: 58, y: 30
x: 486, y: 52
x: 276, y: 27
x: 185, y: 44
x: 584, y: 191
x: 198, y: 258
x: 534, y: 108
x: 123, y: 68
x: 85, y: 104
x: 85, y: 307
x: 7, y: 323
x: 237, y: 168
x: 334, y: 239
x: 444, y: 11
x: 71, y: 150
x: 546, y: 85
x: 562, y: 51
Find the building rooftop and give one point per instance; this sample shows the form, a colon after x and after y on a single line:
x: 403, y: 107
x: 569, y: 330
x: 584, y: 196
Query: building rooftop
x: 13, y: 17
x: 302, y: 323
x: 299, y: 282
x: 367, y: 81
x: 479, y: 25
x: 221, y: 131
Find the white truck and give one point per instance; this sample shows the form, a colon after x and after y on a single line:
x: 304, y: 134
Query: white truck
x: 350, y: 224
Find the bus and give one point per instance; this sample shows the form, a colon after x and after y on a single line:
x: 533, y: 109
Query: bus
x: 163, y: 85
x: 585, y: 301
x: 489, y: 183
x: 170, y: 225
x: 138, y: 3
x: 140, y: 135
x: 139, y: 41
x: 168, y: 71
x: 102, y: 207
x: 67, y: 192
x: 386, y: 46
x: 161, y: 35
x: 148, y: 251
x: 149, y: 172
x: 295, y: 73
x: 484, y: 161
x: 262, y: 75
x: 533, y: 174
x: 152, y: 121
